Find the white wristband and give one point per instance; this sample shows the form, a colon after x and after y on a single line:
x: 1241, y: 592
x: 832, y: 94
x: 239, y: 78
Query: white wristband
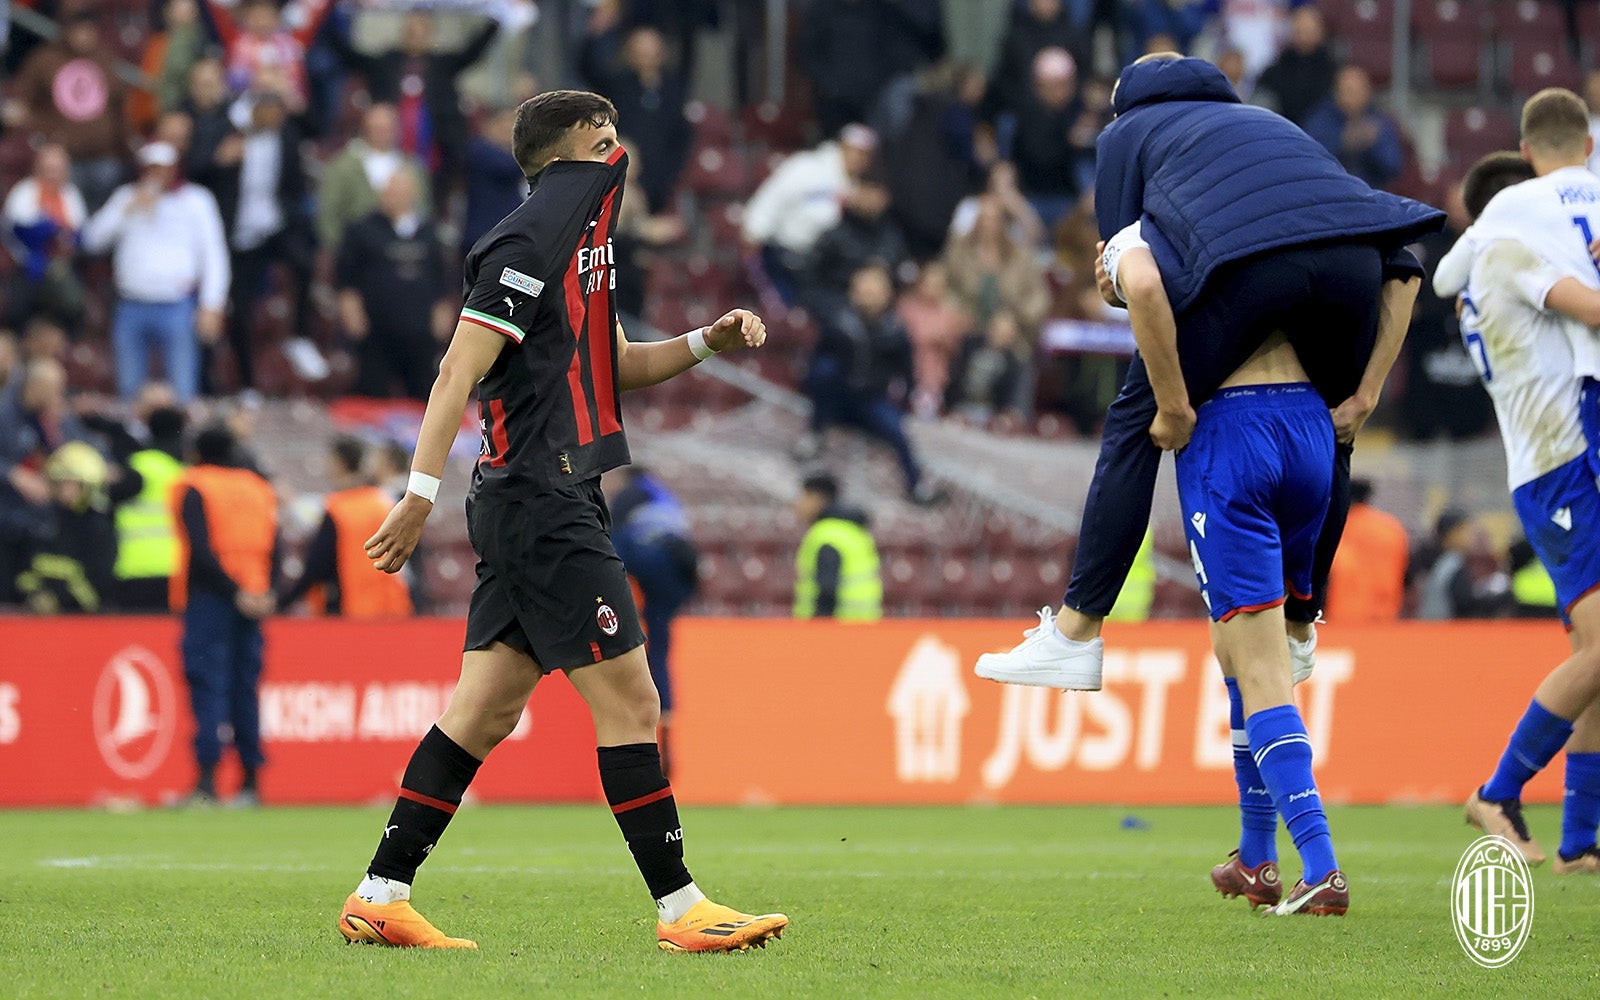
x: 697, y: 344
x: 424, y: 486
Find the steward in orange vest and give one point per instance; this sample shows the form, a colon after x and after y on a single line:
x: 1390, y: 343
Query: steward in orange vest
x: 227, y: 529
x: 338, y: 576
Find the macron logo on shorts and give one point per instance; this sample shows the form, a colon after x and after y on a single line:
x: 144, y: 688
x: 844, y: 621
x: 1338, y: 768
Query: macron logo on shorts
x: 1199, y: 522
x: 527, y: 284
x: 1563, y: 518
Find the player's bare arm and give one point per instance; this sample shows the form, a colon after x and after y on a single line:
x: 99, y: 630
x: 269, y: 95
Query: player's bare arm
x: 1394, y: 318
x: 473, y: 349
x: 651, y: 363
x: 1137, y: 284
x: 1572, y: 298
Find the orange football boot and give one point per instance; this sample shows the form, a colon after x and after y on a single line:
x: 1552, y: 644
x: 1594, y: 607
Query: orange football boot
x: 711, y: 926
x: 395, y: 925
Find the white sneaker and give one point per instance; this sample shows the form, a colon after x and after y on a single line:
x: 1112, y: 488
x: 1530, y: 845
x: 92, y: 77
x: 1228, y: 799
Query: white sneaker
x: 1045, y: 659
x: 307, y: 361
x: 1303, y: 656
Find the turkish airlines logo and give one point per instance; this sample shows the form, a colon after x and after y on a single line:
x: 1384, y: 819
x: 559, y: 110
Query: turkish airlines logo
x: 135, y: 713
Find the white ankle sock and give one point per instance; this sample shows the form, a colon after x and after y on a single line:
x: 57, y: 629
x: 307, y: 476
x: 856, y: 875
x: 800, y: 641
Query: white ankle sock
x: 382, y: 890
x: 1070, y: 643
x: 671, y: 907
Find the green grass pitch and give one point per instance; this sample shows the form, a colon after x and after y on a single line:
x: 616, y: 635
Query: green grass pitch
x: 979, y: 902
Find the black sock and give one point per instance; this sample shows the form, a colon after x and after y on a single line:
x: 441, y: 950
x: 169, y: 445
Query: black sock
x: 642, y: 802
x: 207, y: 784
x: 434, y: 782
x: 249, y: 782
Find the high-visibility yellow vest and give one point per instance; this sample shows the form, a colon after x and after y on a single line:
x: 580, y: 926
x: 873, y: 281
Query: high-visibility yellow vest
x: 147, y: 544
x: 1532, y: 587
x: 860, y: 595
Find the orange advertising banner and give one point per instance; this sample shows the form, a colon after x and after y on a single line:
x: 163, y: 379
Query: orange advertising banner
x: 821, y: 712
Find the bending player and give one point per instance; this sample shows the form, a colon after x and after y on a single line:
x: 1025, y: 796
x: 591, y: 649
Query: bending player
x: 539, y: 340
x: 1529, y: 311
x: 1254, y: 221
x: 1255, y: 480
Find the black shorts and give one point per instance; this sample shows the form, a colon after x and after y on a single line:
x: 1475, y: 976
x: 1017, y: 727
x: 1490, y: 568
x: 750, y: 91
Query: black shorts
x: 1324, y: 297
x: 549, y: 582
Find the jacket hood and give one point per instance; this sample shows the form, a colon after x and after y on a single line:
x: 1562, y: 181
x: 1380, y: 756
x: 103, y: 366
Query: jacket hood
x: 1171, y: 80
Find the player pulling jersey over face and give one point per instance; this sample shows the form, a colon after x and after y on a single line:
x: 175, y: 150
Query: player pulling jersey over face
x: 1527, y: 313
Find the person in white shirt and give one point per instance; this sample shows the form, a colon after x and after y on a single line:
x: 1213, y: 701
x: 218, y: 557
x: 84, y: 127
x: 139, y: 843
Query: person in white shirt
x: 801, y: 200
x: 1528, y: 313
x: 170, y: 263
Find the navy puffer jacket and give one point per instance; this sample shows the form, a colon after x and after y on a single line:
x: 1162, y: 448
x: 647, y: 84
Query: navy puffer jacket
x: 1222, y: 180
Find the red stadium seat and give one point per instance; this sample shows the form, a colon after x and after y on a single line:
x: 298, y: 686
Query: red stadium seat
x: 1529, y: 21
x: 1432, y: 20
x: 1358, y: 17
x: 1455, y: 62
x: 712, y: 124
x: 1539, y: 64
x: 718, y: 170
x: 1470, y: 133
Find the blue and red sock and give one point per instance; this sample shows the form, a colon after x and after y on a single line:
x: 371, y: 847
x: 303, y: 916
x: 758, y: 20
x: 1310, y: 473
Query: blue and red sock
x: 1258, y: 817
x: 1282, y: 752
x: 1539, y: 736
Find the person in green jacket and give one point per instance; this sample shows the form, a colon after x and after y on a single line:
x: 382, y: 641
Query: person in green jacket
x: 836, y: 570
x: 147, y: 545
x: 351, y: 184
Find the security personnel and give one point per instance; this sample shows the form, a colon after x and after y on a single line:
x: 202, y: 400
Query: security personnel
x: 836, y: 570
x: 147, y: 542
x: 227, y: 532
x: 338, y: 576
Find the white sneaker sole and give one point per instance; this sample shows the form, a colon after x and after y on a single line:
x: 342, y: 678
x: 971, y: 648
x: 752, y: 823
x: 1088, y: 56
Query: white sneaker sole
x: 1064, y: 678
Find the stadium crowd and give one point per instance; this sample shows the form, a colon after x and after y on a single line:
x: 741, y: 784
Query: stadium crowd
x: 217, y: 202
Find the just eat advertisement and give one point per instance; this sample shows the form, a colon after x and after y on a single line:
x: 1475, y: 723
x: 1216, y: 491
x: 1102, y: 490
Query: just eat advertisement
x: 93, y: 712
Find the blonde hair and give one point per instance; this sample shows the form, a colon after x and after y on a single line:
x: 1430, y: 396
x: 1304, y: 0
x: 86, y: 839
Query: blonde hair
x: 1156, y: 56
x: 1555, y: 120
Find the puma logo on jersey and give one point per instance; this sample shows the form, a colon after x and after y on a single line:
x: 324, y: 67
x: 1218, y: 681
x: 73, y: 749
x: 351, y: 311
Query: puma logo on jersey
x: 1563, y: 518
x: 511, y: 307
x: 1199, y: 522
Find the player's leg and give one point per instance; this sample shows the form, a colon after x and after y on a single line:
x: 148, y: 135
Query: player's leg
x: 1580, y: 808
x: 626, y: 710
x: 205, y: 648
x: 494, y: 686
x: 244, y: 706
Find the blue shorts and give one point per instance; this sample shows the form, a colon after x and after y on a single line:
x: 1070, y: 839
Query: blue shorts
x: 1589, y: 417
x: 1255, y: 481
x: 1560, y: 513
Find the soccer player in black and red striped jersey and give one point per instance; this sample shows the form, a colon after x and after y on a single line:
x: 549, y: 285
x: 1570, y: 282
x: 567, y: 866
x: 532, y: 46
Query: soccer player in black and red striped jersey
x: 539, y: 339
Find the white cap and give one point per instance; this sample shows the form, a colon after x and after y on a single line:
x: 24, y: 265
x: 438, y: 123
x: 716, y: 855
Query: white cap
x: 158, y: 154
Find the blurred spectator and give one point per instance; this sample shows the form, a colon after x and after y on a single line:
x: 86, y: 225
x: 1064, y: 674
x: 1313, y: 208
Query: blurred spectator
x: 43, y: 339
x: 865, y: 232
x: 169, y: 57
x: 68, y: 566
x: 44, y: 213
x: 639, y: 231
x: 147, y: 541
x: 801, y: 200
x: 35, y: 420
x: 1051, y: 152
x: 10, y: 375
x: 850, y: 49
x: 1256, y: 28
x: 932, y: 160
x: 420, y: 82
x: 68, y: 92
x: 394, y: 293
x: 862, y: 353
x: 652, y: 538
x: 495, y: 182
x: 1037, y: 25
x: 391, y: 470
x: 169, y: 255
x: 351, y: 182
x: 1022, y: 222
x: 1368, y: 580
x: 1532, y: 590
x: 936, y: 324
x: 337, y: 575
x: 1591, y: 96
x: 207, y: 103
x: 649, y: 99
x: 228, y: 524
x: 986, y: 378
x: 837, y: 571
x: 1443, y: 393
x: 1302, y: 78
x: 260, y: 185
x: 261, y: 38
x: 1464, y: 578
x: 1231, y: 63
x: 1355, y: 130
x: 1166, y: 25
x: 988, y: 271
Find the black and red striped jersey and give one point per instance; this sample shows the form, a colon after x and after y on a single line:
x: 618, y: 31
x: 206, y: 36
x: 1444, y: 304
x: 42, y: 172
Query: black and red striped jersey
x: 544, y: 278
